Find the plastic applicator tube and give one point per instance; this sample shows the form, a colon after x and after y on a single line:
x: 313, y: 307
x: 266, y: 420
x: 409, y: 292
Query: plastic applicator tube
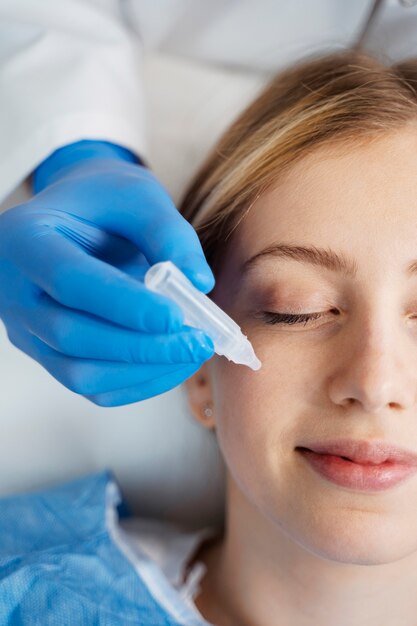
x: 202, y: 313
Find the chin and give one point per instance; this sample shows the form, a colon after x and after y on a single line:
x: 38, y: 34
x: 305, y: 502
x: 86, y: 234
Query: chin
x: 365, y: 540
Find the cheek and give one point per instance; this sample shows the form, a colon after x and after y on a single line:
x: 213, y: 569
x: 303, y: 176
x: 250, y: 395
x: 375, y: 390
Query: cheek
x: 251, y: 404
x: 261, y: 415
x: 255, y: 416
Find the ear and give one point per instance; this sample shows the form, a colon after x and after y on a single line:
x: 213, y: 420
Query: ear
x: 199, y: 393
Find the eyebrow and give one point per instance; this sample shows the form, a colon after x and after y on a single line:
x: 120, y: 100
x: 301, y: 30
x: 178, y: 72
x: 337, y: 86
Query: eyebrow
x: 321, y: 257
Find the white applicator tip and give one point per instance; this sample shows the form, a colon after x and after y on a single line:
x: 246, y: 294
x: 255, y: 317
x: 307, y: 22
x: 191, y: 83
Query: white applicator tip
x: 244, y: 354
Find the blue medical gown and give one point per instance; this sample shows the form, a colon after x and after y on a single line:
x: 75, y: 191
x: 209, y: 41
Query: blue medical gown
x: 59, y: 565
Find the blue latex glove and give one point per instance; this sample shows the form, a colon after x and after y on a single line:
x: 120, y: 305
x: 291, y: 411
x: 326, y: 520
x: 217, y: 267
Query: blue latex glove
x: 72, y: 262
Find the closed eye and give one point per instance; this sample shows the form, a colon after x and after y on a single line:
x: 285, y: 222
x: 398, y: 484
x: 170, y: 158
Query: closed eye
x: 288, y: 318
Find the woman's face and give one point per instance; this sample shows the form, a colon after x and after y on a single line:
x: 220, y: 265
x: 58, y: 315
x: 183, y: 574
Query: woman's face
x: 351, y: 373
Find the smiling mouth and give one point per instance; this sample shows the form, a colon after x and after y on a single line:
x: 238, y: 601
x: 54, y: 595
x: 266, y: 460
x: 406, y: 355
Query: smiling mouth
x: 362, y: 451
x: 363, y: 465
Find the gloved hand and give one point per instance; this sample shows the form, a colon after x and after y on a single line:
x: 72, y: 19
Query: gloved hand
x: 72, y: 262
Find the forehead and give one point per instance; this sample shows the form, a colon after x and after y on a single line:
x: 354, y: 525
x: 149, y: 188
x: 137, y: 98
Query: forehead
x: 357, y: 199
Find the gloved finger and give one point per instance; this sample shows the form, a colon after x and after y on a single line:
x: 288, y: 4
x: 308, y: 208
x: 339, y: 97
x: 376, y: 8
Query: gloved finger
x: 85, y: 336
x: 89, y: 377
x: 80, y: 281
x: 143, y: 392
x: 140, y: 208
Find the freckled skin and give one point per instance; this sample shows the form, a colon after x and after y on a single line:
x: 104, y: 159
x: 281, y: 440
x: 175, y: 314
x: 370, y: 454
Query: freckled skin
x: 353, y: 375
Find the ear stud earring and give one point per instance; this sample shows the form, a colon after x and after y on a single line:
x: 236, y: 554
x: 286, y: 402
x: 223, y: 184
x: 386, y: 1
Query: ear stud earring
x: 208, y: 411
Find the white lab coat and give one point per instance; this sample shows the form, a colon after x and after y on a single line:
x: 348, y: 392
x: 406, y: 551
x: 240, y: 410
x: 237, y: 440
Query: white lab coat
x: 71, y: 69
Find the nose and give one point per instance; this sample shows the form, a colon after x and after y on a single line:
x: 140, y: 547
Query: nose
x: 377, y: 369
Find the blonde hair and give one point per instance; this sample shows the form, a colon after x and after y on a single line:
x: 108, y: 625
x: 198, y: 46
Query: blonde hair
x: 344, y: 96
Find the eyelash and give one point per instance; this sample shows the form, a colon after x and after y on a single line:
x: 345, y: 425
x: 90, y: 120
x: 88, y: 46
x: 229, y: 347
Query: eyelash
x: 287, y: 318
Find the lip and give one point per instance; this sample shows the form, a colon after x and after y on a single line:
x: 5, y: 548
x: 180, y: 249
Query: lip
x: 367, y: 466
x: 365, y: 452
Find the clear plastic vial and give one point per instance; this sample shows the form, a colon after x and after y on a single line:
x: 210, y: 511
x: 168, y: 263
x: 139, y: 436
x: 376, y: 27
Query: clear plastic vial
x: 201, y: 312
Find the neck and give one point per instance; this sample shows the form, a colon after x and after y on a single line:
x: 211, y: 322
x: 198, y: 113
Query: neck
x: 258, y: 576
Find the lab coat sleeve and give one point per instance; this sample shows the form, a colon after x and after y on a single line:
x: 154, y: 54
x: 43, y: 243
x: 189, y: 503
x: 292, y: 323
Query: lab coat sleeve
x: 69, y: 70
